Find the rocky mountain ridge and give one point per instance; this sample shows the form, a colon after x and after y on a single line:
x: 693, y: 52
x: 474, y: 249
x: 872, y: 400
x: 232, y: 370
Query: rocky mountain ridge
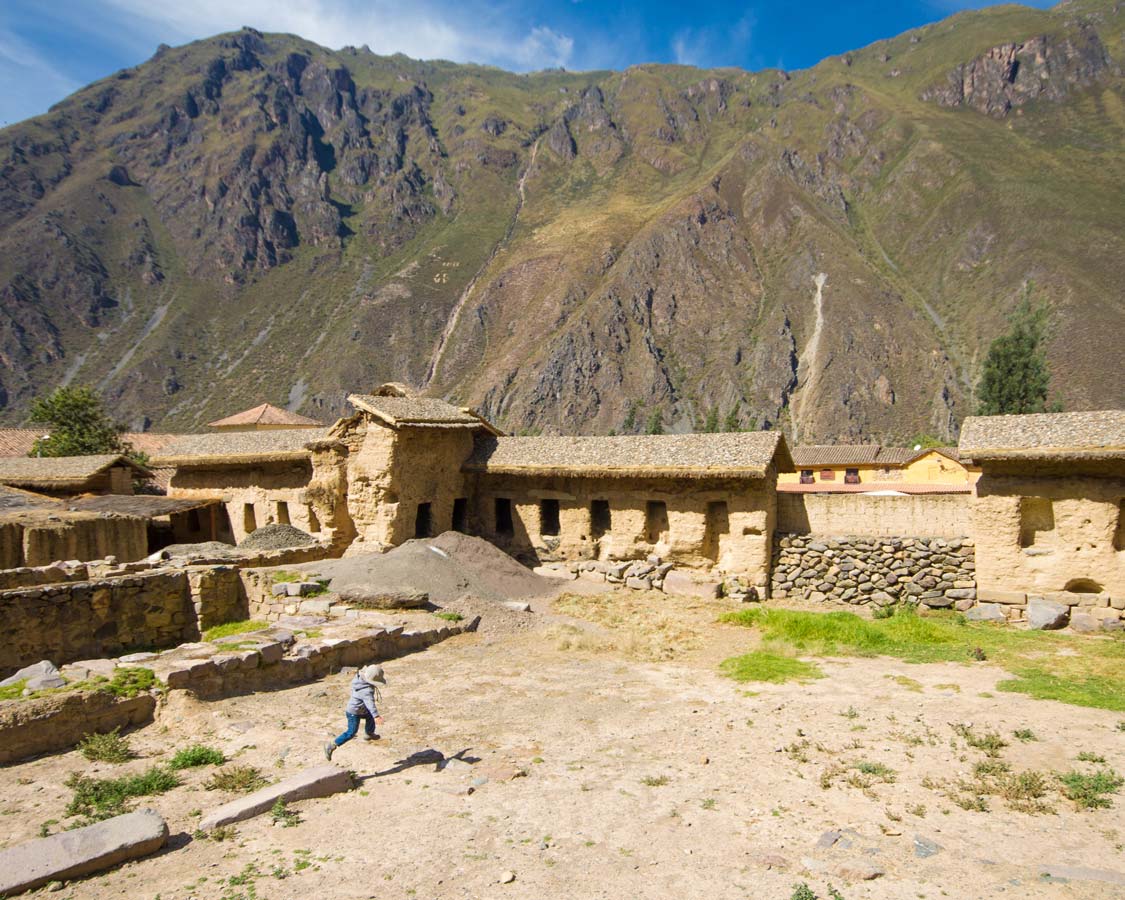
x: 253, y: 217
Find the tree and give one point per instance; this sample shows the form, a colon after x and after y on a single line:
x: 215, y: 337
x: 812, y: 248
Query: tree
x: 630, y: 423
x: 1015, y: 376
x: 655, y: 422
x: 78, y: 425
x: 711, y: 425
x: 733, y: 420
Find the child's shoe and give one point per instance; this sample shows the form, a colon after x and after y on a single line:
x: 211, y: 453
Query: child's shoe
x: 329, y: 749
x: 370, y: 737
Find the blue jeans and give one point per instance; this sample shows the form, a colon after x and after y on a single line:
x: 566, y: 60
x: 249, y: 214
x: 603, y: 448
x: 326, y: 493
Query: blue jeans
x: 353, y: 727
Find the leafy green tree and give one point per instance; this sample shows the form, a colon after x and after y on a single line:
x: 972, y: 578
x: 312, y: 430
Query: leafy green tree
x: 1015, y: 378
x: 630, y: 423
x: 711, y: 425
x: 733, y: 421
x: 655, y: 422
x: 78, y: 425
x: 927, y: 441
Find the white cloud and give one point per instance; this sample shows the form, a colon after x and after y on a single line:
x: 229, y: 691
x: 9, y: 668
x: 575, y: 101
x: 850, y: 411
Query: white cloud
x: 706, y: 47
x: 35, y: 82
x: 420, y: 30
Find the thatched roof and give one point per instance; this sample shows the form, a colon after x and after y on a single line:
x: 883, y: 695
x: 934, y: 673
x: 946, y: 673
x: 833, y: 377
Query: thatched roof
x: 739, y: 455
x: 419, y: 412
x: 136, y: 505
x: 14, y: 500
x: 265, y: 414
x: 1097, y: 435
x: 62, y: 473
x: 238, y: 447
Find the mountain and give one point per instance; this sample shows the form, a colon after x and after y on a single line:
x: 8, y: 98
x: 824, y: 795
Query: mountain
x: 253, y: 217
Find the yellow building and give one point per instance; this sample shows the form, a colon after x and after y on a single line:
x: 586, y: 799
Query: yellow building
x: 858, y: 467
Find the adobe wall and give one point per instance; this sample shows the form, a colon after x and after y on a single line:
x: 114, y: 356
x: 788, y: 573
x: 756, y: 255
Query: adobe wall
x: 42, y: 541
x: 261, y: 487
x: 932, y: 515
x: 391, y: 472
x: 1039, y: 534
x: 696, y: 534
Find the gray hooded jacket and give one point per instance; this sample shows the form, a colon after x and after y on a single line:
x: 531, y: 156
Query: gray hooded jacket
x: 362, y: 699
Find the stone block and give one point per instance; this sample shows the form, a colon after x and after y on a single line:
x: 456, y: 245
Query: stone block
x: 280, y: 590
x: 986, y: 612
x: 684, y: 585
x: 563, y: 574
x: 315, y: 607
x: 43, y: 669
x: 961, y: 593
x: 638, y: 584
x: 271, y: 653
x: 72, y: 854
x: 992, y: 595
x: 939, y: 602
x: 1046, y: 615
x: 591, y: 575
x: 321, y: 781
x: 190, y: 674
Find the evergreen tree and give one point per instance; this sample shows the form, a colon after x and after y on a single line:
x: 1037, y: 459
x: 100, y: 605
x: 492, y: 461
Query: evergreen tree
x: 1015, y: 376
x: 655, y: 422
x: 78, y: 425
x: 711, y: 425
x: 733, y: 419
x: 630, y: 423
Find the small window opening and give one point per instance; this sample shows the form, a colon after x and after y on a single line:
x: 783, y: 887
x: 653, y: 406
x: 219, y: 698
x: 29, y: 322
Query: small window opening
x: 1037, y: 517
x: 827, y: 475
x: 503, y: 514
x: 549, y: 517
x: 460, y: 520
x: 851, y: 476
x: 656, y: 521
x: 422, y: 521
x: 282, y: 512
x: 601, y: 519
x: 807, y: 476
x: 249, y: 521
x: 716, y: 524
x: 314, y: 522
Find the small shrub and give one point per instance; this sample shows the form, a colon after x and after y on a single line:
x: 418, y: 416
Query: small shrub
x: 850, y: 713
x: 1025, y: 735
x: 111, y: 747
x: 655, y: 780
x: 1088, y: 756
x: 1091, y: 791
x: 876, y: 770
x: 196, y: 755
x: 102, y: 798
x: 709, y: 803
x: 236, y: 778
x: 803, y: 892
x: 449, y: 616
x: 283, y: 814
x: 990, y: 743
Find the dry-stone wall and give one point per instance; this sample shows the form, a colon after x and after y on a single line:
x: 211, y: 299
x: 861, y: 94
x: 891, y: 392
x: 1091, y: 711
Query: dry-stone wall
x: 937, y: 572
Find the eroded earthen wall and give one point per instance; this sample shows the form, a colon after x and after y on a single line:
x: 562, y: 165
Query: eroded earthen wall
x: 1042, y: 534
x: 931, y: 515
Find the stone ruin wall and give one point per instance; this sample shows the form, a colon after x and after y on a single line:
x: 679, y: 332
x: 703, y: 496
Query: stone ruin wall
x: 936, y: 572
x: 721, y: 525
x: 935, y: 515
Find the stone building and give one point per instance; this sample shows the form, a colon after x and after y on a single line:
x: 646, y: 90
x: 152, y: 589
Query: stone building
x: 67, y: 476
x: 704, y: 500
x: 1048, y: 511
x: 862, y: 467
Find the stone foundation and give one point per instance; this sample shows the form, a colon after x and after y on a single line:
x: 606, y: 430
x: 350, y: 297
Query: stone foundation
x: 937, y: 572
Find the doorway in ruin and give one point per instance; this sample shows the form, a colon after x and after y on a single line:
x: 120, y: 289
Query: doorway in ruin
x: 249, y: 520
x: 656, y: 521
x: 460, y: 520
x: 423, y: 521
x: 549, y: 518
x: 715, y: 526
x: 502, y: 517
x: 601, y: 519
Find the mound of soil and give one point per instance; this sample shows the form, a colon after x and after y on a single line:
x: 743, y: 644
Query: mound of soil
x: 276, y: 537
x: 202, y: 550
x: 445, y: 568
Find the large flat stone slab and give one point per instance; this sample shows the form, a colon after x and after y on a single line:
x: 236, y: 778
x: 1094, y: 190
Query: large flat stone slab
x: 71, y: 854
x: 321, y: 781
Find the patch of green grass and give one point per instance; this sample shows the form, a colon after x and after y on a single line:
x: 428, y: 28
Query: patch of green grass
x: 229, y: 629
x: 449, y: 616
x: 102, y: 798
x: 110, y: 747
x: 762, y: 665
x: 709, y: 803
x: 904, y: 681
x: 876, y: 769
x: 1025, y: 735
x: 281, y: 813
x: 655, y: 780
x: 236, y: 778
x: 989, y: 743
x: 1091, y: 791
x: 1091, y: 757
x: 196, y: 755
x: 13, y: 691
x: 286, y: 577
x: 1084, y: 675
x: 126, y: 682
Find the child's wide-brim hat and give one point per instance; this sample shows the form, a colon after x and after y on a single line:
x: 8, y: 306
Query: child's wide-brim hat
x: 373, y: 675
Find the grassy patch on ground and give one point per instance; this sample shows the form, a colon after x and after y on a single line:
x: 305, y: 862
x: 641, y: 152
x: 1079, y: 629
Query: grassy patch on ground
x: 761, y: 665
x: 102, y: 798
x: 111, y: 747
x: 13, y: 691
x: 1071, y: 668
x: 286, y: 577
x: 126, y: 682
x: 229, y: 629
x: 196, y: 755
x: 236, y: 778
x: 450, y: 616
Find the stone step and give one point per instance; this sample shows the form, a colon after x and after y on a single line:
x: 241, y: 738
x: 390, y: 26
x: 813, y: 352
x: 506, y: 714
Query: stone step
x: 322, y: 781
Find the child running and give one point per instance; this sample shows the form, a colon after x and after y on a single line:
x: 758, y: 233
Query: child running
x: 361, y: 705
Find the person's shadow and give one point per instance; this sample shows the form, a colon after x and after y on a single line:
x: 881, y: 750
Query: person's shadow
x: 426, y: 757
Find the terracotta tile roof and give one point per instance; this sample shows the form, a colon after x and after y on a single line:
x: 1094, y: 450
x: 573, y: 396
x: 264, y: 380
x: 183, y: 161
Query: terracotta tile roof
x: 60, y: 472
x: 18, y: 441
x: 418, y: 412
x: 1097, y: 435
x: 264, y: 414
x: 238, y: 447
x: 739, y: 455
x: 809, y: 456
x: 901, y: 487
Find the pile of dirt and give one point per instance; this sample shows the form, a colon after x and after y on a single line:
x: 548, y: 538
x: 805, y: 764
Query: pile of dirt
x: 276, y: 537
x: 202, y: 550
x: 444, y: 568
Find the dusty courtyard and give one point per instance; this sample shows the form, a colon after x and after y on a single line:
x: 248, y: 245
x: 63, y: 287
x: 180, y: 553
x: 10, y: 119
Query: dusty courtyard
x: 599, y: 772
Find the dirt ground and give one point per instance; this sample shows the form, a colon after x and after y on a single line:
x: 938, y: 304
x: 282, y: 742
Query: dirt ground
x: 640, y: 771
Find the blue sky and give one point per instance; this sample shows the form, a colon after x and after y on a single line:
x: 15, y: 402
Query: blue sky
x: 49, y: 48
